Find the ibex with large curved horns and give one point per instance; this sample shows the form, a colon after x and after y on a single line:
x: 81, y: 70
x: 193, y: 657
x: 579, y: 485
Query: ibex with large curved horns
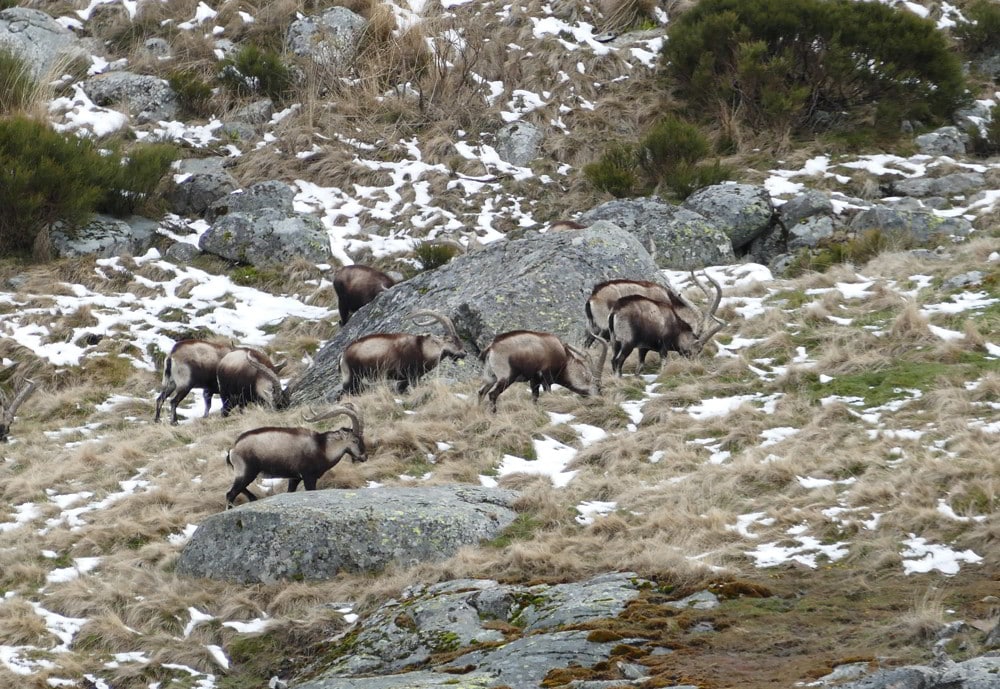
x: 191, y: 364
x: 20, y: 390
x: 400, y: 357
x: 605, y: 294
x: 540, y: 359
x: 298, y: 454
x: 676, y: 325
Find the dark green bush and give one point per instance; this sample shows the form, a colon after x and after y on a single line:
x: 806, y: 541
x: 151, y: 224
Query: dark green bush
x: 193, y: 92
x: 44, y: 177
x: 253, y: 71
x: 17, y: 87
x: 786, y: 65
x: 670, y: 143
x: 130, y: 180
x: 614, y: 172
x: 434, y: 255
x: 986, y: 144
x: 982, y: 32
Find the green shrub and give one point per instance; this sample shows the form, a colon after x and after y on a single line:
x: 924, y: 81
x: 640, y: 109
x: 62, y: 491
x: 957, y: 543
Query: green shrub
x: 685, y: 179
x: 17, y: 86
x: 786, y: 65
x: 982, y: 32
x: 614, y: 172
x: 670, y: 143
x: 44, y: 177
x: 130, y: 180
x: 433, y: 255
x: 253, y: 71
x: 193, y: 92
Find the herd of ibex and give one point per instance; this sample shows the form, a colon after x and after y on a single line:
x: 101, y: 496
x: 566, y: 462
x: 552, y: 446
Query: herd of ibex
x: 622, y: 315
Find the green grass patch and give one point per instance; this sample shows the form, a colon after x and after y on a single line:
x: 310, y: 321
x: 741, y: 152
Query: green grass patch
x: 523, y: 528
x: 883, y: 385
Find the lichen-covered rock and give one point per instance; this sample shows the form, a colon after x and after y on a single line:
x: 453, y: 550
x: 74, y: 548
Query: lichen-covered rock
x: 946, y: 185
x: 146, y: 98
x: 920, y: 226
x: 104, y: 237
x: 315, y: 534
x: 258, y: 226
x: 976, y: 673
x: 330, y: 39
x: 677, y: 238
x: 808, y: 204
x: 197, y: 184
x: 39, y: 40
x: 541, y: 282
x: 518, y: 143
x: 743, y: 211
x: 405, y: 633
x: 946, y: 141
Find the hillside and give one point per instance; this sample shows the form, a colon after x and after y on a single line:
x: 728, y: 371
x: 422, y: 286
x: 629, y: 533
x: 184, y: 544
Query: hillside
x: 827, y: 467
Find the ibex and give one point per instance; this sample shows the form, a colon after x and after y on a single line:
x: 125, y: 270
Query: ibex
x: 20, y: 390
x: 541, y: 359
x: 605, y: 294
x: 298, y: 454
x: 356, y: 285
x: 246, y: 376
x: 400, y: 357
x: 190, y: 364
x: 675, y: 325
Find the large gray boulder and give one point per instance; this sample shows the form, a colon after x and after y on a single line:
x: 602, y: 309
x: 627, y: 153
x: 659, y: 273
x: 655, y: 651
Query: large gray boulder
x: 540, y: 282
x: 946, y: 141
x: 197, y: 184
x: 146, y: 98
x: 316, y: 534
x: 104, y: 237
x: 330, y: 40
x: 743, y: 211
x: 975, y: 673
x: 445, y: 617
x: 677, y: 238
x: 259, y: 227
x: 946, y: 185
x: 39, y: 40
x: 919, y: 226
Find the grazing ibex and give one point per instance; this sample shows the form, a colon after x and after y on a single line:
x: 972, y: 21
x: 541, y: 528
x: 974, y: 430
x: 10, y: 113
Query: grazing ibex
x: 540, y: 359
x: 675, y: 325
x: 20, y: 390
x: 298, y: 454
x: 605, y: 294
x: 399, y: 357
x: 356, y: 285
x: 190, y: 364
x: 246, y: 376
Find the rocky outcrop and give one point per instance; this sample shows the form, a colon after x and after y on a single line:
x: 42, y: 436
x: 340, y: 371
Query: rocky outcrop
x: 39, y: 40
x: 946, y: 141
x: 316, y: 534
x: 258, y: 226
x: 330, y: 40
x: 676, y: 237
x: 977, y: 673
x: 743, y: 211
x: 105, y: 237
x: 405, y: 634
x: 146, y: 98
x: 540, y: 282
x: 197, y: 184
x: 917, y: 226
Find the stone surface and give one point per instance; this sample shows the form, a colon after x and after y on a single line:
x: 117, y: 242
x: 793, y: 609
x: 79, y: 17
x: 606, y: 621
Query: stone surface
x: 259, y: 227
x: 677, y: 238
x: 39, y: 40
x: 743, y: 211
x: 920, y: 226
x: 197, y: 184
x: 946, y: 141
x: 146, y: 98
x: 808, y: 204
x: 104, y: 237
x: 541, y: 282
x: 316, y: 534
x: 331, y: 39
x: 518, y: 143
x: 946, y: 185
x: 976, y: 673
